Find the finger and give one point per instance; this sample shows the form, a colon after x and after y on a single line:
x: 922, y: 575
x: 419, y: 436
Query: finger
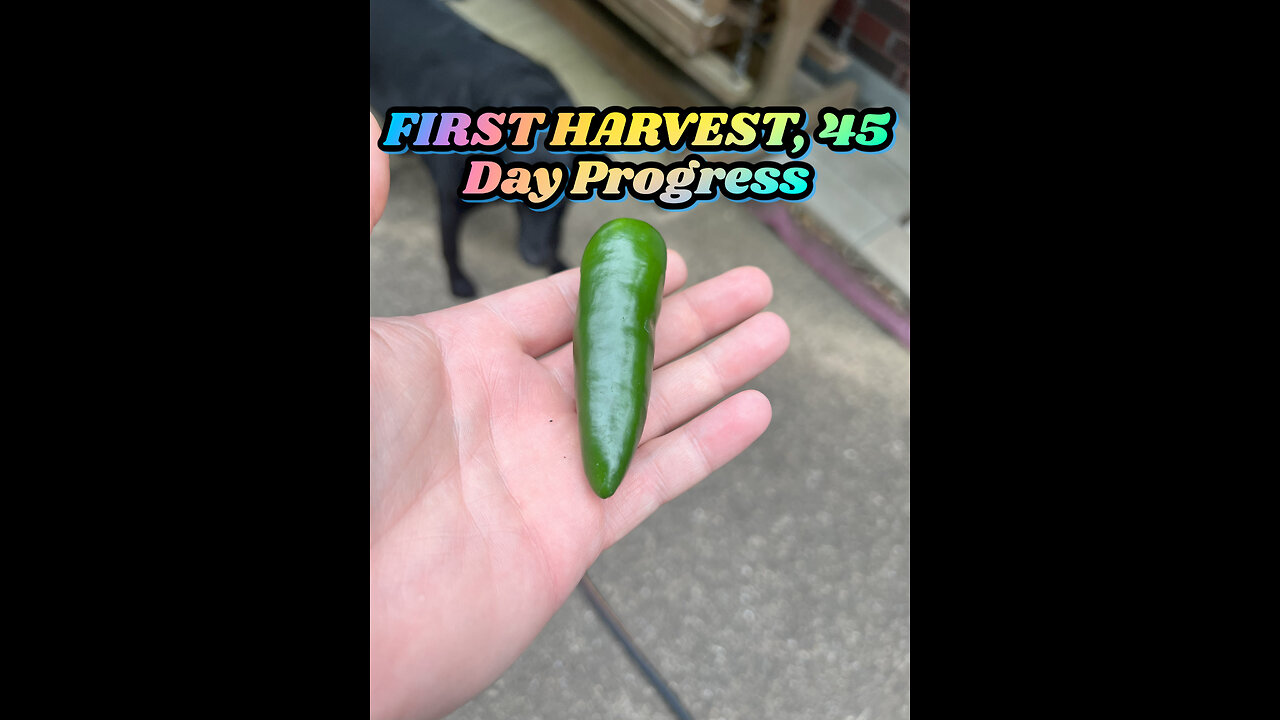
x: 541, y: 314
x: 691, y: 317
x: 667, y: 466
x: 379, y: 174
x: 687, y: 386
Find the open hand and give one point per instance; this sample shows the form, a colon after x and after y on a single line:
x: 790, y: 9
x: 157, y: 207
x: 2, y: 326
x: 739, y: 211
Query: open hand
x: 481, y: 519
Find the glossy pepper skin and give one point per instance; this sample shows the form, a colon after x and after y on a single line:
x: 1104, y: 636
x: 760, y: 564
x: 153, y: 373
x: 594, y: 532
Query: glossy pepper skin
x: 623, y: 271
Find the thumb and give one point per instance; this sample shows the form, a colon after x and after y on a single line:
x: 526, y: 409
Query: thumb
x: 379, y: 174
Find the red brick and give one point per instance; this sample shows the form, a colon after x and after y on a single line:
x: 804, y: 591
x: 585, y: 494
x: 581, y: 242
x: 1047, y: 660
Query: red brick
x: 873, y: 57
x: 900, y: 49
x: 890, y: 14
x: 870, y: 30
x: 842, y: 11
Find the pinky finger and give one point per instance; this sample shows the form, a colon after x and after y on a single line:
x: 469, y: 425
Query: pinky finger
x: 666, y: 466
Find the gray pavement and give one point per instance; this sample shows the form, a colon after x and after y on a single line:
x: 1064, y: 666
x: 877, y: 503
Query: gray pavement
x: 779, y: 587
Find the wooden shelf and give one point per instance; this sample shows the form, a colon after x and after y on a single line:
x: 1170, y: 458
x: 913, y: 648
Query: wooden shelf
x: 694, y: 38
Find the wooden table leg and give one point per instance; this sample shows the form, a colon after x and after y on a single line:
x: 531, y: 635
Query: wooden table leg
x: 797, y: 21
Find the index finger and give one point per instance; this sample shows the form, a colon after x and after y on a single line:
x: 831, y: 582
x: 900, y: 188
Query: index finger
x: 541, y: 314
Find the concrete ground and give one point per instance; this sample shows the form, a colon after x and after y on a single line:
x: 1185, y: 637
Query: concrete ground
x: 779, y: 587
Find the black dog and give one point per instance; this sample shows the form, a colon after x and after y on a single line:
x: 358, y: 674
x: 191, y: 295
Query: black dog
x: 422, y: 54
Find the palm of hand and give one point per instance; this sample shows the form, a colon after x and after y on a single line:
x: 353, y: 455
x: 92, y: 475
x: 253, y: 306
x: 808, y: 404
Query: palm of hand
x: 481, y: 518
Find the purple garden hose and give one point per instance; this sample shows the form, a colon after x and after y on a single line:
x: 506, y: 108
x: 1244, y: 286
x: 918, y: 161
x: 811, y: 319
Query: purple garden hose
x: 827, y: 262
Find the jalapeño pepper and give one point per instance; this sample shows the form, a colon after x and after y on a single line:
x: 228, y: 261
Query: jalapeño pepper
x: 620, y: 294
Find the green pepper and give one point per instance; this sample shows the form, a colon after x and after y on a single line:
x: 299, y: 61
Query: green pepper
x: 619, y: 297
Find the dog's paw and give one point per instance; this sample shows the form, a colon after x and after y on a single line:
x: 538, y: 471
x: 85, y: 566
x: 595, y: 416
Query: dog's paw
x: 462, y: 287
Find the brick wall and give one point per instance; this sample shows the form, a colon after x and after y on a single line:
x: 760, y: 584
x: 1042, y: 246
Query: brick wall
x: 878, y: 32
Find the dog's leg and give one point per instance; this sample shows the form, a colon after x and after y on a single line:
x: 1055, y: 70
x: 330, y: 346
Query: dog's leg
x: 556, y: 264
x: 450, y: 217
x: 540, y: 237
x: 446, y: 170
